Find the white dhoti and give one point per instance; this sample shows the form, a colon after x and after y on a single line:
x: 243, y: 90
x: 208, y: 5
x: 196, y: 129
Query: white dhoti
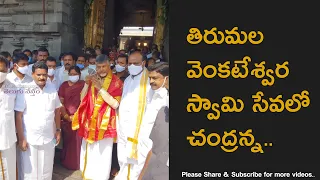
x: 37, y: 162
x: 8, y: 163
x: 130, y: 168
x: 95, y: 162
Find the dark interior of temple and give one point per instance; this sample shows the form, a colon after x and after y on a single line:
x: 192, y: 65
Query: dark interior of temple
x: 134, y: 13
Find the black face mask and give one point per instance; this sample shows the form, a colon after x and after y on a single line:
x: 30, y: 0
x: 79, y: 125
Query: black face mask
x: 112, y: 66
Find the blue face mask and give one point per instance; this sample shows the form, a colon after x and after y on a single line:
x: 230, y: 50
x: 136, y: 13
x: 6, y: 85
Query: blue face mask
x: 29, y: 60
x: 61, y: 63
x: 81, y: 66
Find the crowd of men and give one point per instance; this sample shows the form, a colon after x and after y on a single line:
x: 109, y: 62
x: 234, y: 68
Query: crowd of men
x: 106, y: 111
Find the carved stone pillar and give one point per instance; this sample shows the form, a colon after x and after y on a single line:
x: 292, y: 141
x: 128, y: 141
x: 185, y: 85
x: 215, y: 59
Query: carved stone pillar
x: 17, y: 43
x: 8, y: 2
x: 94, y: 29
x: 41, y: 43
x: 159, y: 28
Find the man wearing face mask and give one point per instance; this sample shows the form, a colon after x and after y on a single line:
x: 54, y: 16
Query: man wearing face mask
x: 19, y: 76
x: 83, y: 63
x: 52, y: 79
x: 112, y: 66
x: 29, y: 54
x: 92, y: 62
x: 121, y: 72
x: 100, y: 98
x: 8, y: 137
x: 135, y: 97
x: 63, y: 72
x: 121, y: 67
x: 157, y: 148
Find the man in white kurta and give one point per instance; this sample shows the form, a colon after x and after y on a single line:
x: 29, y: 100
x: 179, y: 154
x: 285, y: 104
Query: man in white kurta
x: 38, y: 126
x: 158, y: 167
x: 7, y: 126
x: 42, y: 55
x: 63, y: 72
x: 19, y: 76
x: 52, y: 77
x: 133, y: 127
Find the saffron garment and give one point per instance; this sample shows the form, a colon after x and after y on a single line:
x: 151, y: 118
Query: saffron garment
x: 70, y: 154
x: 95, y: 121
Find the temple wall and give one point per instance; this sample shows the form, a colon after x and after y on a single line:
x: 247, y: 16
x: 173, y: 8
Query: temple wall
x: 22, y: 25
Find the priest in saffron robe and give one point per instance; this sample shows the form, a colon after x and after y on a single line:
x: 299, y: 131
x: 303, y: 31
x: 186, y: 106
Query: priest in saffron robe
x: 95, y: 120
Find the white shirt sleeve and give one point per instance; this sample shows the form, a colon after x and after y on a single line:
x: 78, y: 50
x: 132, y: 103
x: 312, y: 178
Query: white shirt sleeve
x: 57, y: 101
x: 20, y: 104
x: 29, y: 73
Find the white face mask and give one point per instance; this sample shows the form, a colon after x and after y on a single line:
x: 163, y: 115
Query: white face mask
x: 23, y: 70
x: 92, y: 66
x: 162, y: 88
x: 51, y: 72
x: 120, y: 68
x: 74, y: 78
x: 134, y: 70
x: 3, y: 76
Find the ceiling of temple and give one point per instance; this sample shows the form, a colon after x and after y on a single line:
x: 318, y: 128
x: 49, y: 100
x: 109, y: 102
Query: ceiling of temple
x: 131, y: 6
x: 134, y: 13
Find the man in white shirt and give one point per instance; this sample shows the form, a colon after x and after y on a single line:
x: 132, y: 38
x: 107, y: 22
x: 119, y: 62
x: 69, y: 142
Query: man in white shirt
x: 92, y: 62
x: 38, y: 126
x: 156, y: 56
x: 8, y: 56
x: 19, y: 76
x: 52, y: 78
x: 157, y: 112
x: 83, y: 63
x: 7, y: 126
x: 42, y: 55
x: 131, y: 111
x: 63, y: 72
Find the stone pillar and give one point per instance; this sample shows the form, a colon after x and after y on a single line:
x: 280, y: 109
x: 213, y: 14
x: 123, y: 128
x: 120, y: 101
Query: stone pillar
x: 109, y: 24
x: 94, y: 28
x: 21, y: 25
x: 159, y: 28
x: 165, y: 50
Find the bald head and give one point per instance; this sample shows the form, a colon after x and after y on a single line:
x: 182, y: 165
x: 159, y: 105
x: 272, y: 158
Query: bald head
x: 136, y: 58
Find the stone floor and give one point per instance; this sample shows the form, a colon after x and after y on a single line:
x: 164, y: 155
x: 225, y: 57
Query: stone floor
x: 61, y: 173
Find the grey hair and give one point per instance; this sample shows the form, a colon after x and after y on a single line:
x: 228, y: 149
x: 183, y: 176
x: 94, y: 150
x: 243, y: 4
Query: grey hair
x: 102, y: 58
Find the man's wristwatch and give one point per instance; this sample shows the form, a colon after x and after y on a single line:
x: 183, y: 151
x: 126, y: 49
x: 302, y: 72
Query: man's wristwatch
x: 58, y: 130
